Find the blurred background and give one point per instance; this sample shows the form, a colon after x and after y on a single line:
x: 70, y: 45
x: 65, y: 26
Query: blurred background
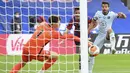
x: 30, y: 12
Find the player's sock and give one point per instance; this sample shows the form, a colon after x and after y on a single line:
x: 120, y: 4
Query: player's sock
x: 89, y: 71
x: 49, y: 63
x: 91, y: 63
x: 17, y: 67
x: 112, y: 41
x: 79, y: 71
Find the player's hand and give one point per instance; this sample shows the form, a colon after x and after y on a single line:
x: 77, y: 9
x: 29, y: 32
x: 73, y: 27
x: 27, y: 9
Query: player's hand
x: 92, y: 25
x: 121, y: 15
x: 90, y: 43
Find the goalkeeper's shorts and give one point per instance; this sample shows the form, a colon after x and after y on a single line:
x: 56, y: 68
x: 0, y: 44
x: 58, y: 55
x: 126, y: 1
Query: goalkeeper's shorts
x: 40, y: 56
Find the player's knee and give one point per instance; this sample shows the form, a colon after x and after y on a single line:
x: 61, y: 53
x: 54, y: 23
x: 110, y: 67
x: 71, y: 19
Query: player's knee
x: 110, y: 34
x: 109, y: 31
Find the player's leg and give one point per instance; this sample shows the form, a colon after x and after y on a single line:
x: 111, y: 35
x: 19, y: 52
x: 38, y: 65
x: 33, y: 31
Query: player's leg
x: 91, y: 61
x: 78, y: 49
x: 78, y: 52
x: 25, y: 59
x: 111, y: 36
x: 51, y: 58
x: 90, y: 58
x: 99, y: 41
x: 17, y: 67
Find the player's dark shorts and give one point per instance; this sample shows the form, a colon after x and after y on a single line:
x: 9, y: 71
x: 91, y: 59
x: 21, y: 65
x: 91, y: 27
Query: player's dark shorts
x: 78, y: 35
x: 77, y: 43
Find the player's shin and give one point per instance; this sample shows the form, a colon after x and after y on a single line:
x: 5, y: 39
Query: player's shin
x: 91, y: 63
x: 49, y: 63
x: 112, y: 41
x: 17, y: 67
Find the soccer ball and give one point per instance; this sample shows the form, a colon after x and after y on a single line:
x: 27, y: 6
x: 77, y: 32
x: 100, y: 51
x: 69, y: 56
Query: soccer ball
x: 94, y: 50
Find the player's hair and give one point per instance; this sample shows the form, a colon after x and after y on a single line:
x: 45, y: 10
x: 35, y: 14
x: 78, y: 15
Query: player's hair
x: 76, y: 8
x: 106, y: 3
x: 17, y: 12
x: 54, y: 19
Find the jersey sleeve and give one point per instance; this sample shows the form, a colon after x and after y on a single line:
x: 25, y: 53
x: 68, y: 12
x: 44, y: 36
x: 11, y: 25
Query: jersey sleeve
x: 97, y: 14
x: 69, y: 26
x: 115, y: 15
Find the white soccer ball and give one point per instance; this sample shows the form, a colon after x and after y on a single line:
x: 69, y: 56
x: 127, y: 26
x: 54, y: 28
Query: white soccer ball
x: 94, y: 50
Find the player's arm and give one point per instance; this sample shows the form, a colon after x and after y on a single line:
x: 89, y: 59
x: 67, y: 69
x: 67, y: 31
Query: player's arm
x: 66, y: 31
x: 92, y: 24
x: 70, y: 36
x: 96, y: 16
x: 69, y: 26
x: 121, y: 15
x: 57, y: 35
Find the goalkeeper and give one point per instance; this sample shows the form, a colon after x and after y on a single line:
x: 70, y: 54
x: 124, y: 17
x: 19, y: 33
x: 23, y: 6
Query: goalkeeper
x: 33, y: 49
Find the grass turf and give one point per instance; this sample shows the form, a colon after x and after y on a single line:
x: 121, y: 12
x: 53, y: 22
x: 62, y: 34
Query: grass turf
x: 69, y: 64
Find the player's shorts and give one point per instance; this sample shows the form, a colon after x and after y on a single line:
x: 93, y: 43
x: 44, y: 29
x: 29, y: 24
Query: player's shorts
x: 77, y: 43
x: 41, y: 56
x: 78, y: 35
x: 100, y: 39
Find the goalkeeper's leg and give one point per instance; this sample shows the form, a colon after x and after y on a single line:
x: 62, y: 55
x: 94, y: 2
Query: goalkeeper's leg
x: 25, y: 59
x: 51, y: 59
x: 17, y: 67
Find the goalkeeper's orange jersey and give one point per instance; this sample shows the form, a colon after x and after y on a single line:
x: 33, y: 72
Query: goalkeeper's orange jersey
x: 43, y: 35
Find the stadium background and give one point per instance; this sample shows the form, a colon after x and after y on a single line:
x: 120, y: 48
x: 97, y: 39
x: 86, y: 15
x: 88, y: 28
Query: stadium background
x: 65, y: 10
x: 110, y: 63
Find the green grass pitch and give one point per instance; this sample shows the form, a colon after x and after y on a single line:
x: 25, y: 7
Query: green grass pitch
x: 69, y: 64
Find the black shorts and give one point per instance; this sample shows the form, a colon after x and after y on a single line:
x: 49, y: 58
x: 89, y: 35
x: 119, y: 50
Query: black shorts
x: 78, y: 35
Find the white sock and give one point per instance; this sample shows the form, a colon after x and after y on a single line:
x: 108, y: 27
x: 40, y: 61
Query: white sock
x: 112, y: 40
x: 90, y: 64
x: 89, y: 71
x: 41, y: 71
x: 79, y: 71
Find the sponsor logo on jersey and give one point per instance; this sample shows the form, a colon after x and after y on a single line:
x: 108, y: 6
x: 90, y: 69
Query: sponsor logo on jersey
x: 108, y: 17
